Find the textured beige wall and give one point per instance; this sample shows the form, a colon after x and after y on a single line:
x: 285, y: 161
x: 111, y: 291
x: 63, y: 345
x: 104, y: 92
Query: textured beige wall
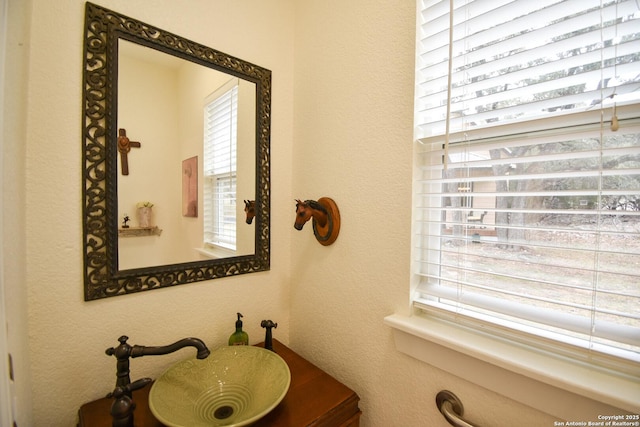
x: 67, y: 335
x: 147, y: 110
x: 352, y: 129
x: 353, y: 142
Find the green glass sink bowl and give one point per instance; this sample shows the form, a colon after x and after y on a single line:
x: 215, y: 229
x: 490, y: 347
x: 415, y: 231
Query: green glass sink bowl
x: 234, y: 386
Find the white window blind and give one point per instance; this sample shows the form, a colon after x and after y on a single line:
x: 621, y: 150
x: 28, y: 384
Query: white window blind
x: 527, y: 199
x: 552, y: 56
x: 220, y: 154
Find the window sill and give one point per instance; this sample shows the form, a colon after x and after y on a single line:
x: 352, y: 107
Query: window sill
x: 215, y: 252
x: 540, y: 380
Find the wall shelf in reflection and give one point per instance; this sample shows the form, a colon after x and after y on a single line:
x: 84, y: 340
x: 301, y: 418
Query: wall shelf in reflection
x: 139, y: 231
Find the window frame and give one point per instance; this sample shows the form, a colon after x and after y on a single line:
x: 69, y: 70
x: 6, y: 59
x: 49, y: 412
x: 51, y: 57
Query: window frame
x: 526, y: 359
x: 625, y: 362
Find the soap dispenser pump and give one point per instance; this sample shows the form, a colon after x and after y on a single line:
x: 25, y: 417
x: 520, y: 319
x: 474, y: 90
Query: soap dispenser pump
x: 239, y: 337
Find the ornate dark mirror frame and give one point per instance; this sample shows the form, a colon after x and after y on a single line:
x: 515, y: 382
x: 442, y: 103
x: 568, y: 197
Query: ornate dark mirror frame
x: 102, y: 278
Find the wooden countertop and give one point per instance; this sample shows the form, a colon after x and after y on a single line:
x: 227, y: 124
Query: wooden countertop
x: 314, y: 399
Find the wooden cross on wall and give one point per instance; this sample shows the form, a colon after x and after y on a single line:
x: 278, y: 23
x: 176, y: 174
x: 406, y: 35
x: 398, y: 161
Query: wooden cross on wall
x: 124, y: 146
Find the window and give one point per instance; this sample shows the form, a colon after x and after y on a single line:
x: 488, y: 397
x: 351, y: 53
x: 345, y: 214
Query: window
x: 527, y: 172
x: 220, y: 141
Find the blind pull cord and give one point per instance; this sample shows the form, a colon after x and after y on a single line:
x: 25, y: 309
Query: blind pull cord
x: 449, y: 84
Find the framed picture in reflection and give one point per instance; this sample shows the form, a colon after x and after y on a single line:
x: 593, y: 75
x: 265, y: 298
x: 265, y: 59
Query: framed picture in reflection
x: 190, y: 187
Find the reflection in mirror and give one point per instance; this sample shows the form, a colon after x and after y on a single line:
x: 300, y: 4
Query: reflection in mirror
x: 152, y: 102
x: 163, y: 103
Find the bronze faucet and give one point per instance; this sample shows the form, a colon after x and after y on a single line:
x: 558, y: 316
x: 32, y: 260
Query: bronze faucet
x: 123, y: 406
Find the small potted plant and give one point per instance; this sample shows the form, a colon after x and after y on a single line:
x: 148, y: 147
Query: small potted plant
x: 144, y: 213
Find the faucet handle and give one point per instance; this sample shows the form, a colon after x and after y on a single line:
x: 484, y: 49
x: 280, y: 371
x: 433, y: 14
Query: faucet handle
x: 123, y: 406
x: 268, y: 342
x: 119, y: 391
x: 268, y: 324
x: 121, y: 351
x: 138, y: 384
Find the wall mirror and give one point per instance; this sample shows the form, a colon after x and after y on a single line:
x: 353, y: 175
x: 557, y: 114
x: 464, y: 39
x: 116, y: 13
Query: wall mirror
x: 180, y: 126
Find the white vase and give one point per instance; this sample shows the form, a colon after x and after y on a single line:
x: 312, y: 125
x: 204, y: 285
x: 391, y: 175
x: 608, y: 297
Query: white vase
x: 144, y: 217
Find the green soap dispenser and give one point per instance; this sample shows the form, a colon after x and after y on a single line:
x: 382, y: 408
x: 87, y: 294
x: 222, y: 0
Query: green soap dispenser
x: 239, y: 337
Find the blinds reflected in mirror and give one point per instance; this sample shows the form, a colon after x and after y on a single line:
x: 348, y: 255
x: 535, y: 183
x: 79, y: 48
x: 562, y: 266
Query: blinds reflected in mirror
x: 220, y: 166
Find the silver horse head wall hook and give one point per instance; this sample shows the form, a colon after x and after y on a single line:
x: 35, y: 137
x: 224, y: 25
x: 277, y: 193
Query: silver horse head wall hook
x: 326, y: 218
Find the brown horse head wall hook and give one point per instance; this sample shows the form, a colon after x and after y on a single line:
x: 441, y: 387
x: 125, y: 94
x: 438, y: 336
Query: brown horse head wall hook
x: 250, y: 210
x: 326, y: 218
